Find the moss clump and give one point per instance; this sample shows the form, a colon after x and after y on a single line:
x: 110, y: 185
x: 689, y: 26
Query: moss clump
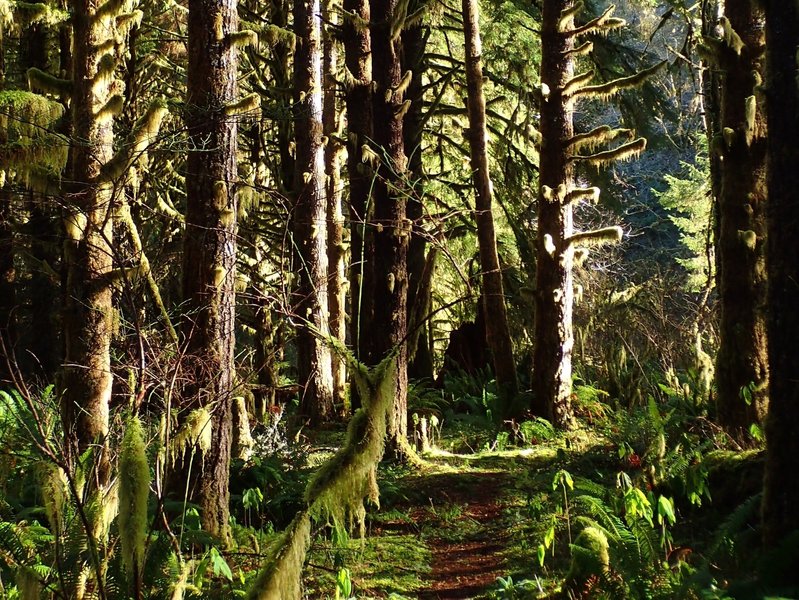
x: 590, y: 555
x: 134, y: 487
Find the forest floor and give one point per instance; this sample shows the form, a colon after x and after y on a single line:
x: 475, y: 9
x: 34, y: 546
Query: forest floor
x: 447, y: 530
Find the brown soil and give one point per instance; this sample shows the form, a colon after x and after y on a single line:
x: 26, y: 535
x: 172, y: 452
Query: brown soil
x: 467, y: 552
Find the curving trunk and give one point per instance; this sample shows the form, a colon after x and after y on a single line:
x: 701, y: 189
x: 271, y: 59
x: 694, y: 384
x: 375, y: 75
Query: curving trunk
x: 493, y: 296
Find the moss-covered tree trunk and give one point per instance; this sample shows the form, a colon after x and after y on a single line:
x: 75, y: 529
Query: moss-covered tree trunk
x: 85, y: 380
x: 781, y: 494
x: 358, y: 99
x: 209, y: 259
x: 554, y: 296
x: 560, y: 151
x: 309, y: 219
x: 392, y: 229
x: 336, y: 252
x: 742, y: 365
x: 493, y: 296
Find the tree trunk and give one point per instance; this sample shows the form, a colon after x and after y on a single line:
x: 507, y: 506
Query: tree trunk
x: 85, y: 381
x: 414, y: 44
x: 336, y: 253
x: 358, y: 60
x: 493, y: 296
x: 209, y: 258
x: 781, y: 494
x: 392, y: 230
x: 310, y: 217
x: 742, y: 365
x: 7, y: 288
x: 554, y: 296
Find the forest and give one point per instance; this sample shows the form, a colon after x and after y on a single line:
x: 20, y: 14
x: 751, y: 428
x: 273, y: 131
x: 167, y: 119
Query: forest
x: 339, y: 299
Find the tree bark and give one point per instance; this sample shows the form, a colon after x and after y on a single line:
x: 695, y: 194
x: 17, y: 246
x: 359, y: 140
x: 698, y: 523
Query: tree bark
x: 310, y: 217
x: 209, y: 258
x: 336, y: 253
x: 414, y: 44
x: 85, y: 380
x: 493, y: 296
x: 392, y: 229
x: 781, y: 493
x: 742, y: 362
x: 554, y: 296
x: 358, y: 99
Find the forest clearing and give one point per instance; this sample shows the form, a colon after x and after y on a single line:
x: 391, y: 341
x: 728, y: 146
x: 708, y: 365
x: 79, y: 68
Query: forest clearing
x: 489, y: 299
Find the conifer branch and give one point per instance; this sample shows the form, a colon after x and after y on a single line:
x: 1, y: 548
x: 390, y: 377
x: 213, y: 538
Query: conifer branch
x: 623, y: 152
x: 608, y: 89
x: 49, y: 84
x: 603, y: 24
x: 577, y: 82
x: 596, y: 237
x: 604, y: 134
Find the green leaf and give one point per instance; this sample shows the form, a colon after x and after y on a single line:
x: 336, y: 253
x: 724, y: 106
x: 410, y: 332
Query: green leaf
x: 220, y: 565
x: 666, y: 510
x: 542, y: 552
x: 343, y: 584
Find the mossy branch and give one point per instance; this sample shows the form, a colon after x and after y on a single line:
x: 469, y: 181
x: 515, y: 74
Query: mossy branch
x: 581, y: 50
x: 567, y: 14
x: 339, y: 488
x: 112, y: 108
x: 577, y: 83
x: 576, y: 195
x: 602, y: 24
x: 109, y: 8
x: 127, y: 220
x: 49, y: 84
x: 273, y: 35
x: 596, y: 237
x: 730, y: 37
x: 623, y: 152
x: 242, y: 39
x: 609, y: 89
x: 144, y: 131
x: 129, y: 20
x: 250, y: 103
x: 604, y: 134
x: 281, y: 578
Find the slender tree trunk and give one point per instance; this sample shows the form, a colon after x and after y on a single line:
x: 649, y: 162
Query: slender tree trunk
x: 554, y: 297
x: 7, y: 287
x: 414, y: 45
x: 209, y: 259
x: 742, y: 365
x: 310, y: 217
x: 358, y: 98
x: 781, y: 494
x: 392, y: 228
x: 85, y: 380
x: 336, y: 254
x: 493, y: 296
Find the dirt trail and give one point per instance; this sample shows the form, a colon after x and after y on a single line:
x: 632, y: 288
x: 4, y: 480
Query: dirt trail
x: 467, y: 543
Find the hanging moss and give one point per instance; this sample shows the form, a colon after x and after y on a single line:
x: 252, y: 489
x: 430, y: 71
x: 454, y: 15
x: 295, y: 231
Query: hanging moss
x: 603, y: 24
x: 281, y: 578
x: 53, y: 485
x: 134, y: 487
x: 28, y: 142
x: 49, y: 84
x: 338, y: 490
x: 195, y: 431
x: 623, y: 152
x: 604, y: 134
x: 604, y: 91
x: 596, y: 237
